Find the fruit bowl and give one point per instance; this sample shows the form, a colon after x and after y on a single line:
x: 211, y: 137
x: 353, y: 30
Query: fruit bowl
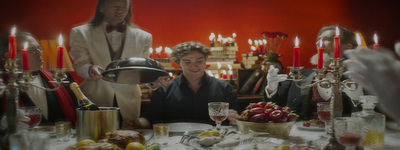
x: 277, y: 130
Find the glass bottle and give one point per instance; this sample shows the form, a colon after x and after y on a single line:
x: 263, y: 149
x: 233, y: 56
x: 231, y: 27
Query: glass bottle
x: 83, y: 101
x: 374, y: 123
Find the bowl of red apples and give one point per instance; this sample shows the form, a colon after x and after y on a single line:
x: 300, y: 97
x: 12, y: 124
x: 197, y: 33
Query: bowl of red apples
x: 267, y: 117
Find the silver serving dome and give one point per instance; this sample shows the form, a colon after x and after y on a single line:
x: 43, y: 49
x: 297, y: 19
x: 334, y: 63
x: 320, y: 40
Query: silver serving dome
x: 133, y: 70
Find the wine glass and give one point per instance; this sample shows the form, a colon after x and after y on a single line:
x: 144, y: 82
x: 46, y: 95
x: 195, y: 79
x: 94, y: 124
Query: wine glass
x: 348, y: 131
x: 218, y: 112
x: 35, y: 115
x: 324, y: 114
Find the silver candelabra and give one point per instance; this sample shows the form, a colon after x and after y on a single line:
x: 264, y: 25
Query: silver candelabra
x: 336, y: 106
x: 16, y: 83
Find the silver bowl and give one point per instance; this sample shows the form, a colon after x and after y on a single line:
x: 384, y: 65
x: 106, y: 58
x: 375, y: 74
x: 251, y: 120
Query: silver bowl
x: 133, y: 70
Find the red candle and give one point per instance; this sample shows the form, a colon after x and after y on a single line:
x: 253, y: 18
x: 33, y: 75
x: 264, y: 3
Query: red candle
x: 336, y: 50
x: 230, y: 74
x: 224, y: 74
x: 25, y: 64
x: 250, y: 43
x: 376, y: 45
x: 60, y: 50
x: 320, y: 56
x: 151, y: 52
x: 296, y: 53
x: 12, y: 44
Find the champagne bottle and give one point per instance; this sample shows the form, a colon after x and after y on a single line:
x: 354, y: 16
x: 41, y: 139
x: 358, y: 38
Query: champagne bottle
x: 83, y: 101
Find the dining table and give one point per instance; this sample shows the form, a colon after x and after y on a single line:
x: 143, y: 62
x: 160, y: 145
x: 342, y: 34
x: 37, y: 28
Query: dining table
x: 298, y: 135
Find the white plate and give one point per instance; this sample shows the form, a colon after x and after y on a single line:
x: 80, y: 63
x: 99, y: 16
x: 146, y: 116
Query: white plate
x: 300, y: 126
x: 187, y: 126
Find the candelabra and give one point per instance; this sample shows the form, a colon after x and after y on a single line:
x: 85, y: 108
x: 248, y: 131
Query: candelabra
x: 328, y: 141
x: 18, y: 81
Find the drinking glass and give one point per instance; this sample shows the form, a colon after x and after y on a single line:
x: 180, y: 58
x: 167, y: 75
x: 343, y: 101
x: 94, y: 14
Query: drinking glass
x: 161, y: 133
x: 218, y: 112
x: 348, y: 131
x: 34, y: 113
x: 324, y: 114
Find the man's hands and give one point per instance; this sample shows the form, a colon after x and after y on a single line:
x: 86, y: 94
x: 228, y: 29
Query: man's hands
x: 162, y: 81
x: 273, y: 79
x: 95, y: 72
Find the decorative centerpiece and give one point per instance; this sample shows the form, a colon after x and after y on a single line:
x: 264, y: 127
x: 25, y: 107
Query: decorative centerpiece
x: 267, y: 117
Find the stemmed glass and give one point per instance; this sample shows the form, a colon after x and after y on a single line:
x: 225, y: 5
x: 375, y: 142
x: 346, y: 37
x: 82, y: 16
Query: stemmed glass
x: 348, y: 131
x: 324, y: 114
x: 218, y: 112
x: 35, y: 115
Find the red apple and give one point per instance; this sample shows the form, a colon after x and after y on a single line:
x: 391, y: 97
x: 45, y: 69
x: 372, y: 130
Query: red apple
x: 268, y: 111
x: 263, y: 104
x: 292, y: 117
x: 278, y: 116
x: 259, y: 118
x: 253, y: 105
x: 287, y: 109
x: 257, y: 110
x: 269, y: 105
x: 277, y: 107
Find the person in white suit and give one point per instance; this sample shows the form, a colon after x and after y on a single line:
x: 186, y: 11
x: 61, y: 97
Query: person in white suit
x: 107, y: 37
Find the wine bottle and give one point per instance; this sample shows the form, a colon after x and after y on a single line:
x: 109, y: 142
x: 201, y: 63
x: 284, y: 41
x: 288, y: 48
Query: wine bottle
x: 83, y: 101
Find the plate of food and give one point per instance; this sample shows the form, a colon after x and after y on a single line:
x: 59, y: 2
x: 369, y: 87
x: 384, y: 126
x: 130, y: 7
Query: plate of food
x: 313, y: 124
x: 187, y: 126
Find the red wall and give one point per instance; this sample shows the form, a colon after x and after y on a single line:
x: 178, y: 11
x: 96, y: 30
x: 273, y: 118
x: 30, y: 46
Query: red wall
x: 175, y: 21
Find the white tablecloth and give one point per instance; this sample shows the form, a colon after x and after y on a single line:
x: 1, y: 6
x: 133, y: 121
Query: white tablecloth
x: 296, y: 136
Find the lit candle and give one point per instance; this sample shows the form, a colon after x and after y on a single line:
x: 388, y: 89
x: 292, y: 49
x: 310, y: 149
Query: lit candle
x: 210, y: 73
x: 376, y: 45
x: 336, y: 50
x: 256, y: 45
x: 358, y: 39
x: 252, y: 48
x: 151, y: 52
x: 250, y: 43
x: 260, y: 48
x: 265, y: 45
x: 212, y: 39
x: 158, y: 50
x: 12, y: 44
x: 224, y: 74
x: 230, y: 73
x: 320, y: 55
x: 234, y: 37
x: 171, y: 75
x: 60, y: 53
x: 168, y: 51
x: 25, y: 64
x: 219, y: 39
x: 219, y: 69
x: 296, y: 53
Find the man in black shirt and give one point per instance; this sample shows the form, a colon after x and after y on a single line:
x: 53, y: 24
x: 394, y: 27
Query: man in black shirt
x: 187, y: 98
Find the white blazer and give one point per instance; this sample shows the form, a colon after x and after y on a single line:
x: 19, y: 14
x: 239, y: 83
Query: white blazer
x: 89, y: 47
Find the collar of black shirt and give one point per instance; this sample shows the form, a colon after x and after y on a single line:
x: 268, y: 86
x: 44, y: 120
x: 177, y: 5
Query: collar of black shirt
x: 205, y: 79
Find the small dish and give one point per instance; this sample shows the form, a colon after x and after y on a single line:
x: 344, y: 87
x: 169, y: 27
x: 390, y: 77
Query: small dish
x: 312, y: 128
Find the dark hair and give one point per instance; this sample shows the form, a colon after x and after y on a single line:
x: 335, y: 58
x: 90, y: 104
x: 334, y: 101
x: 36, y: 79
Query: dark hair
x: 20, y: 35
x: 182, y: 49
x: 346, y: 36
x: 98, y: 16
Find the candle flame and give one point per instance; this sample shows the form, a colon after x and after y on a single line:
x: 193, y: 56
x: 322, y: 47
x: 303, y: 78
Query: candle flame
x: 219, y: 65
x: 320, y: 43
x: 256, y: 42
x: 337, y: 31
x: 212, y: 35
x: 229, y: 67
x: 259, y: 41
x: 210, y: 73
x: 230, y: 72
x: 151, y: 50
x: 159, y: 49
x: 170, y: 74
x: 13, y: 30
x: 234, y: 35
x: 358, y: 39
x: 223, y: 71
x: 253, y: 48
x: 250, y: 42
x: 60, y: 40
x: 296, y: 42
x: 26, y: 45
x: 376, y: 38
x: 264, y: 41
